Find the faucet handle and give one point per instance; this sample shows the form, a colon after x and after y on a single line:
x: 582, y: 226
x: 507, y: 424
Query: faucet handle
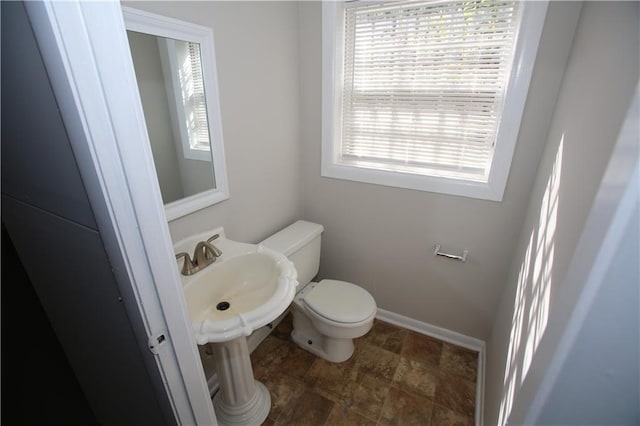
x: 188, y: 266
x: 216, y: 250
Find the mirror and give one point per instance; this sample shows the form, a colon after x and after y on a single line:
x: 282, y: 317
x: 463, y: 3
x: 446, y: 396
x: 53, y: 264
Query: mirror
x: 180, y: 102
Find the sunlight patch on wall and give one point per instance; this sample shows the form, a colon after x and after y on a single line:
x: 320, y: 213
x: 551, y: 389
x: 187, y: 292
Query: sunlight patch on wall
x: 533, y: 292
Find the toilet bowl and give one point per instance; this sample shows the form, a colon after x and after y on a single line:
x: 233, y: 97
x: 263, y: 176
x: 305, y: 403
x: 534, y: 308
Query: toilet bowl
x: 329, y: 314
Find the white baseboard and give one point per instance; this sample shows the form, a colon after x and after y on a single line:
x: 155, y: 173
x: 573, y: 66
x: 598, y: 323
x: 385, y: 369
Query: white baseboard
x: 431, y: 330
x: 449, y: 337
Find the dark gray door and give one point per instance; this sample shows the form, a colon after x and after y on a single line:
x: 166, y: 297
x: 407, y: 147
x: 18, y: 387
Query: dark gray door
x: 50, y: 220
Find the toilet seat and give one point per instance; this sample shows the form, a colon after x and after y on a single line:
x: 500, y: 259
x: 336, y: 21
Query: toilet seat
x: 340, y: 302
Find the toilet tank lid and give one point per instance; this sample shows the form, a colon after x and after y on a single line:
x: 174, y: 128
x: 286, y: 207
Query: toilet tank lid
x: 293, y: 237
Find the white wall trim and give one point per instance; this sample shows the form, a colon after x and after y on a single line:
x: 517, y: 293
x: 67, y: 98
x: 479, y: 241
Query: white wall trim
x: 448, y: 336
x: 439, y: 333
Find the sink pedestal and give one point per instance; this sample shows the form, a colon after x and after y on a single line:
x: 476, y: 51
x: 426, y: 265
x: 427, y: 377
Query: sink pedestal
x: 241, y: 400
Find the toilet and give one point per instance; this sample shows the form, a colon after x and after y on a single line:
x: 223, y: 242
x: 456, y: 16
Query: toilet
x: 329, y: 314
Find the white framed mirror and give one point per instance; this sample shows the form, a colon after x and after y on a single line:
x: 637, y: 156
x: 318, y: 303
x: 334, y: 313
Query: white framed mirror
x: 175, y: 70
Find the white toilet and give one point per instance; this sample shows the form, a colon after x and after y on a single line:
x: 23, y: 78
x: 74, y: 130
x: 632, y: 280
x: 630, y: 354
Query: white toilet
x: 329, y: 314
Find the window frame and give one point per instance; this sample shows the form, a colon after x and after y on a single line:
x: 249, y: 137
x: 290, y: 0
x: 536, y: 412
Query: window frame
x: 527, y: 40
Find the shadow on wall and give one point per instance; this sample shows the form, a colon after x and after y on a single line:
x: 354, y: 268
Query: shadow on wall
x: 533, y: 293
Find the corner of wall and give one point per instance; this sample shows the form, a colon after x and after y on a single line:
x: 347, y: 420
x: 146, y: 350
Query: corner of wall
x: 581, y: 139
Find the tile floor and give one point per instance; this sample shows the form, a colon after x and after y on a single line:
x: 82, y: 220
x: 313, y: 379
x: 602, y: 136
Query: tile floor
x: 395, y: 377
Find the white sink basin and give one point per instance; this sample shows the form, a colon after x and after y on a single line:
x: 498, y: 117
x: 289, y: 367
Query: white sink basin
x: 246, y: 288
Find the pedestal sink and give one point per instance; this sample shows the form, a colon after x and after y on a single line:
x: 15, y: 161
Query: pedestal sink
x: 246, y: 288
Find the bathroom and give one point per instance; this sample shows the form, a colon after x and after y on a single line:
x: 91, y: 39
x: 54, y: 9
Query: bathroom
x: 269, y: 69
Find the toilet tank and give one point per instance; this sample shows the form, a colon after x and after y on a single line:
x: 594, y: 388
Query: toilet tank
x: 300, y: 242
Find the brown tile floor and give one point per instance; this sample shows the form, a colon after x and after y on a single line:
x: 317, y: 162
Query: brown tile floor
x: 395, y: 377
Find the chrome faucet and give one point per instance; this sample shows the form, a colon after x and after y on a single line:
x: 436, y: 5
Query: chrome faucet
x: 204, y: 255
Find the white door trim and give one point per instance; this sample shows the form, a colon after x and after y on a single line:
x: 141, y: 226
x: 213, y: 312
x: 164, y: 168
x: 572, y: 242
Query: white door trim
x: 86, y: 52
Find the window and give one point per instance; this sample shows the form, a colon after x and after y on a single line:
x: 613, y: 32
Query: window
x: 185, y: 90
x: 426, y: 95
x: 192, y: 85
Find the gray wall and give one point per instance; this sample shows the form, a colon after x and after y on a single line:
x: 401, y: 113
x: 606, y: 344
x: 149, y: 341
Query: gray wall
x: 383, y: 238
x: 601, y: 77
x: 256, y: 47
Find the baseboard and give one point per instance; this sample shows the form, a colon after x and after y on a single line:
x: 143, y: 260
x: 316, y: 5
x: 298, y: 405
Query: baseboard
x: 430, y: 330
x: 449, y: 337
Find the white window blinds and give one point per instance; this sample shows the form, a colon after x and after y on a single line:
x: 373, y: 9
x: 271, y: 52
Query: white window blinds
x: 193, y: 98
x: 424, y: 85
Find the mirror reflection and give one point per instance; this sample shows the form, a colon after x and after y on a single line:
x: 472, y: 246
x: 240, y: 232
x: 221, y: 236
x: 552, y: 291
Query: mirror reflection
x: 171, y: 84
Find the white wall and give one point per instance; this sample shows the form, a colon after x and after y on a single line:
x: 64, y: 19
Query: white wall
x: 257, y: 57
x: 600, y: 80
x: 383, y: 238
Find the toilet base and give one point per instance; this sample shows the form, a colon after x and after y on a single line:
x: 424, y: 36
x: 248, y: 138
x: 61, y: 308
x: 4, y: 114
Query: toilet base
x: 308, y: 338
x: 333, y: 350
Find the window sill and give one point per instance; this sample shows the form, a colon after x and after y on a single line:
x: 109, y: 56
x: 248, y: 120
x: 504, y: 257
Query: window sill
x: 479, y: 190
